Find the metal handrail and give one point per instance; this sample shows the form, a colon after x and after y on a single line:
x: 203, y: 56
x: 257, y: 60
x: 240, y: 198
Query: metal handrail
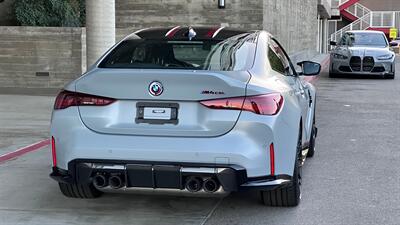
x: 358, y: 10
x: 374, y: 19
x: 360, y: 24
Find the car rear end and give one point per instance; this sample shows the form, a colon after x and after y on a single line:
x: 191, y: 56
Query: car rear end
x: 165, y: 118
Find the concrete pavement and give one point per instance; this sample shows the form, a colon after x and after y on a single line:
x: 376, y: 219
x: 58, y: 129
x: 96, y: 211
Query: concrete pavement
x: 352, y: 179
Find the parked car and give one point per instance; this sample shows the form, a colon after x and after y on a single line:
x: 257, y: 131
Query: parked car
x: 193, y: 109
x: 364, y: 53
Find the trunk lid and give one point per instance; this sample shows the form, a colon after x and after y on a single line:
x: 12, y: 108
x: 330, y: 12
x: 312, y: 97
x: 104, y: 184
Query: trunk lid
x: 182, y: 91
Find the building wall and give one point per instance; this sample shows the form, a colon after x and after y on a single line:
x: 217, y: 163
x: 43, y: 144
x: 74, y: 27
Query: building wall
x: 60, y: 52
x: 137, y: 14
x: 293, y: 22
x: 381, y: 5
x: 24, y: 51
x: 7, y: 17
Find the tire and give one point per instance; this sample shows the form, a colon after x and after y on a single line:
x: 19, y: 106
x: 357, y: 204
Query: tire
x: 288, y: 196
x: 332, y: 75
x: 311, y: 146
x: 79, y: 190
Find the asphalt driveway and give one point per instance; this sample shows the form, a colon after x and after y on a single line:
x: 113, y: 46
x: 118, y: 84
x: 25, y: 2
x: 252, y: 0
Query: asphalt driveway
x: 352, y: 179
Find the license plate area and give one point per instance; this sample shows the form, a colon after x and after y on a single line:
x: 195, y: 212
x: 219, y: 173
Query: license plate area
x: 156, y: 113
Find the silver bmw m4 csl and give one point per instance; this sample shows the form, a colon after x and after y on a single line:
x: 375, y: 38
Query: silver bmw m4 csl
x: 362, y: 53
x: 191, y: 109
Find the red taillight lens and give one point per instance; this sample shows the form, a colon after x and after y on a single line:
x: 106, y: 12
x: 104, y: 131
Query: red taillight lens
x: 67, y: 98
x: 268, y: 104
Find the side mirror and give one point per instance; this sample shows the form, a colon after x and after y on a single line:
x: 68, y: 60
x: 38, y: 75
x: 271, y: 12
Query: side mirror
x: 309, y: 68
x: 333, y: 43
x: 393, y: 44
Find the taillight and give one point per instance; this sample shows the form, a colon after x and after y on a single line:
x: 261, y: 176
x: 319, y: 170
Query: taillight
x: 268, y: 104
x: 67, y: 98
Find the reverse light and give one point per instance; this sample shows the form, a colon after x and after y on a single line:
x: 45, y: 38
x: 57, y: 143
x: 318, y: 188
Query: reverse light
x: 66, y: 99
x: 53, y: 151
x: 269, y: 104
x: 385, y: 57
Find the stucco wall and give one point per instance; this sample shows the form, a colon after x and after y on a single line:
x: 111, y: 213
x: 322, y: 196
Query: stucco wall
x: 293, y: 22
x: 24, y: 51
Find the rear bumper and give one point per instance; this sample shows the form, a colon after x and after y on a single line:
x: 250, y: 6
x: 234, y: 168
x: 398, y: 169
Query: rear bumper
x: 246, y: 145
x: 166, y: 175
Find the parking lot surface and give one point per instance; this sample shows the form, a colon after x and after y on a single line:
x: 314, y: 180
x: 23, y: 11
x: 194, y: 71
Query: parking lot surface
x: 352, y: 179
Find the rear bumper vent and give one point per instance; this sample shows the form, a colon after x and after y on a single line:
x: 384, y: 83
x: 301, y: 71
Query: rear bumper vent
x: 355, y: 63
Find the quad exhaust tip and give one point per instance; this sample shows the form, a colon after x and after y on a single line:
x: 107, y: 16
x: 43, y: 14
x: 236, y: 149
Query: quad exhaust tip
x: 100, y: 181
x: 210, y: 185
x: 193, y: 184
x: 115, y: 182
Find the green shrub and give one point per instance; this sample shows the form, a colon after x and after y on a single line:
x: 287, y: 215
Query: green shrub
x: 51, y: 13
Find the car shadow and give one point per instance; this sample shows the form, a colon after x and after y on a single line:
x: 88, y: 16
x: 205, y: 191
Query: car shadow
x: 360, y: 76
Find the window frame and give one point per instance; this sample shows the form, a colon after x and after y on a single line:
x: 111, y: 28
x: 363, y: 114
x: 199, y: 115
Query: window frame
x: 282, y: 54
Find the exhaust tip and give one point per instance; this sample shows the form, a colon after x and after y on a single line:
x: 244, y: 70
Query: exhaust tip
x: 99, y: 181
x: 193, y: 184
x: 115, y: 182
x: 210, y: 185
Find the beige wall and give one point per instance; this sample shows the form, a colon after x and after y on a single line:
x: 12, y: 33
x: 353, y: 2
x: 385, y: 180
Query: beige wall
x: 293, y: 22
x: 24, y: 51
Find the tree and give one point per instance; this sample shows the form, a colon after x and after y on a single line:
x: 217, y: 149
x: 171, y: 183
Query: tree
x: 55, y: 13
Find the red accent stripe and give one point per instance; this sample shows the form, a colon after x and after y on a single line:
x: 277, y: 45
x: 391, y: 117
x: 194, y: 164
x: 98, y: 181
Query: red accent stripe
x: 210, y: 33
x: 24, y: 150
x: 272, y: 158
x: 348, y: 15
x: 171, y: 33
x: 348, y: 4
x: 383, y: 29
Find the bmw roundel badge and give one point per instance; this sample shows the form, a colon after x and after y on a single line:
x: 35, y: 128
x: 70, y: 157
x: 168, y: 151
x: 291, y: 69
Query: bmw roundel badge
x: 155, y: 88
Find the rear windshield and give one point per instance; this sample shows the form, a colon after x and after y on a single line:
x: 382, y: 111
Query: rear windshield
x: 367, y: 39
x: 233, y: 54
